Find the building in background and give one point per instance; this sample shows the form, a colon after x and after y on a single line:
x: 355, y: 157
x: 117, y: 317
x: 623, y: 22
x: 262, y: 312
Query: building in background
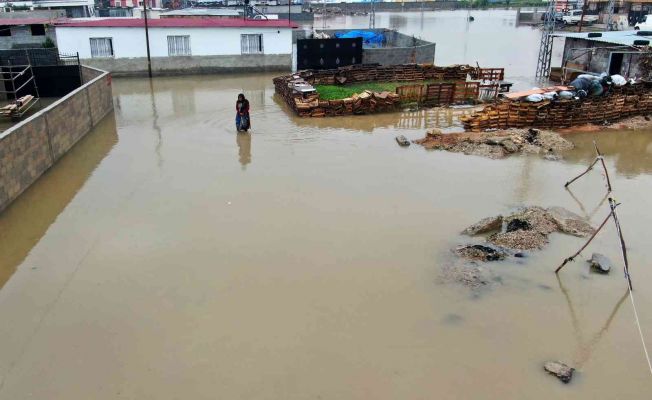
x: 179, y: 45
x: 22, y: 33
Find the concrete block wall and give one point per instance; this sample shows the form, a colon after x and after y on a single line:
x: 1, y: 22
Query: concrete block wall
x: 400, y: 55
x: 194, y: 64
x: 31, y: 147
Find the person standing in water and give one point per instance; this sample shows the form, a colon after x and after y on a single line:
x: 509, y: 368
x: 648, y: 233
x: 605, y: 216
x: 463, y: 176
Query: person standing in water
x: 242, y: 122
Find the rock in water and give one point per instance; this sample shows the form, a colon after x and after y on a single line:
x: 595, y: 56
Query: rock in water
x: 569, y: 222
x: 518, y: 225
x: 600, y: 263
x: 560, y: 370
x: 402, y: 140
x: 478, y: 252
x: 488, y: 224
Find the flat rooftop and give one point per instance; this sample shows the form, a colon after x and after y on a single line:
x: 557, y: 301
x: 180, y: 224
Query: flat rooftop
x: 624, y: 38
x: 178, y: 23
x: 203, y: 12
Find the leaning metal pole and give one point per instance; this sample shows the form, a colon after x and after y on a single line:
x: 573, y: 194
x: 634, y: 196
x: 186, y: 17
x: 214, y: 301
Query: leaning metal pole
x: 149, y: 58
x: 545, y: 47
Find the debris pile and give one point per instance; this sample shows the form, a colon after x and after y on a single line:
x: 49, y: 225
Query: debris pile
x: 367, y: 102
x: 512, y: 111
x: 528, y: 228
x: 380, y: 73
x: 508, y: 236
x: 497, y: 144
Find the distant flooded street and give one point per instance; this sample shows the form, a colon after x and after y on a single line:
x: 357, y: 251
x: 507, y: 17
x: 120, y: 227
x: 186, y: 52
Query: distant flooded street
x: 167, y: 257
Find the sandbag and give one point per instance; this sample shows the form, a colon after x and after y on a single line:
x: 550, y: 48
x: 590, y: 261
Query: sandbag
x: 550, y: 95
x: 581, y: 84
x: 534, y: 98
x: 565, y: 94
x: 588, y: 77
x: 618, y: 80
x: 596, y: 89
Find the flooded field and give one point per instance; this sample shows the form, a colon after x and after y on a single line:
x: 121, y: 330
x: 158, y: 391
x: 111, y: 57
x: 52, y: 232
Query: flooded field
x: 167, y: 257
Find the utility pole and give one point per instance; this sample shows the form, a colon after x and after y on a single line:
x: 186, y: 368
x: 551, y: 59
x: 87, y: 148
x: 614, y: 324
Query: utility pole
x: 289, y: 12
x: 372, y: 16
x: 610, y: 14
x: 545, y: 47
x: 149, y: 58
x: 585, y: 3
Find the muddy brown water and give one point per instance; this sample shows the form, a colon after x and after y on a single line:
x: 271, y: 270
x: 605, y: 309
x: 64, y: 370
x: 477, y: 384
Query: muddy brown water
x: 166, y: 257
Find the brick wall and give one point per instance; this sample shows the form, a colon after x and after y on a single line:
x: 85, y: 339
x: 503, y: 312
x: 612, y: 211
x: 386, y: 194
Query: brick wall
x: 31, y: 147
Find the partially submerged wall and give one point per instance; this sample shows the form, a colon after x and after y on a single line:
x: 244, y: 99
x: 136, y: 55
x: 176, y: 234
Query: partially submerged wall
x: 368, y: 102
x: 32, y: 146
x: 193, y: 64
x: 620, y: 102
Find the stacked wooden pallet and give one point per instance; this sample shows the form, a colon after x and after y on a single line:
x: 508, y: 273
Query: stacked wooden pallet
x: 15, y: 108
x: 618, y: 103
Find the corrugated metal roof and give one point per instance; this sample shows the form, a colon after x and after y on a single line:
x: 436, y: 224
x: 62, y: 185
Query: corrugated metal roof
x: 180, y: 23
x: 623, y: 38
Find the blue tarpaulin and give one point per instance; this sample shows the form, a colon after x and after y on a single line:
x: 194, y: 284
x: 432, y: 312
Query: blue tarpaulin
x: 369, y: 38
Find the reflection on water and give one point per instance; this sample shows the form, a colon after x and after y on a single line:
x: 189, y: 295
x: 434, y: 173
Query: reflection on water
x: 586, y: 347
x: 633, y: 159
x: 27, y: 219
x: 244, y: 148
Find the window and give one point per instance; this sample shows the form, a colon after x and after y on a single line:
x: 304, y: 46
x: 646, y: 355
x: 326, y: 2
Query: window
x: 178, y: 46
x: 251, y: 44
x: 101, y: 47
x: 5, y: 30
x: 37, y: 30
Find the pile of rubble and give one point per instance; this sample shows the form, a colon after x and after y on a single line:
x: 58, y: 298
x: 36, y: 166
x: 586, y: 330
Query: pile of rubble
x: 509, y: 236
x: 498, y: 144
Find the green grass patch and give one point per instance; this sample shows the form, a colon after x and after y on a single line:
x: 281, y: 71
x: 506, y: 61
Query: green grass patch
x: 335, y: 92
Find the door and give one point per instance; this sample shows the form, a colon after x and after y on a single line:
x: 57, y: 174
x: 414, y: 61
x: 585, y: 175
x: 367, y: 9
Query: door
x: 616, y: 63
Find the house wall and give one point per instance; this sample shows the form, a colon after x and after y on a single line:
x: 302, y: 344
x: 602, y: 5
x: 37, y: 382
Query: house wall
x: 31, y: 147
x: 22, y: 35
x: 130, y: 42
x: 598, y: 60
x: 213, y: 49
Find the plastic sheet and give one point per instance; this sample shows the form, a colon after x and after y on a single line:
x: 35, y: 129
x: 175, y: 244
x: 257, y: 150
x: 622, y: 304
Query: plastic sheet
x: 369, y: 38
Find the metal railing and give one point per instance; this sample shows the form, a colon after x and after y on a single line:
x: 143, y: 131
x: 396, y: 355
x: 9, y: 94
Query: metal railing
x: 37, y: 57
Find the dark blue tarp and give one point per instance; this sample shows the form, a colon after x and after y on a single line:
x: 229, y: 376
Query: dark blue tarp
x: 369, y: 38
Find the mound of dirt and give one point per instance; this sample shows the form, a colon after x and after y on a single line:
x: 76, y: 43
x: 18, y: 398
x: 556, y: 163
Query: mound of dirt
x: 498, y: 144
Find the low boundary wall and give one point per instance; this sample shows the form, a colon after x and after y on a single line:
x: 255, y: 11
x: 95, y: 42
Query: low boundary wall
x: 620, y: 102
x: 193, y: 64
x: 31, y: 147
x: 451, y: 79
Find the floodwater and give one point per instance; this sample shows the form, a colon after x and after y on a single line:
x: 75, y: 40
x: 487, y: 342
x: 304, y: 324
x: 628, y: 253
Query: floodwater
x: 167, y: 257
x: 493, y: 39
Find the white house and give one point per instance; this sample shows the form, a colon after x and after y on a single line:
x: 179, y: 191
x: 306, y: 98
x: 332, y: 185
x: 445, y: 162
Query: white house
x: 179, y: 44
